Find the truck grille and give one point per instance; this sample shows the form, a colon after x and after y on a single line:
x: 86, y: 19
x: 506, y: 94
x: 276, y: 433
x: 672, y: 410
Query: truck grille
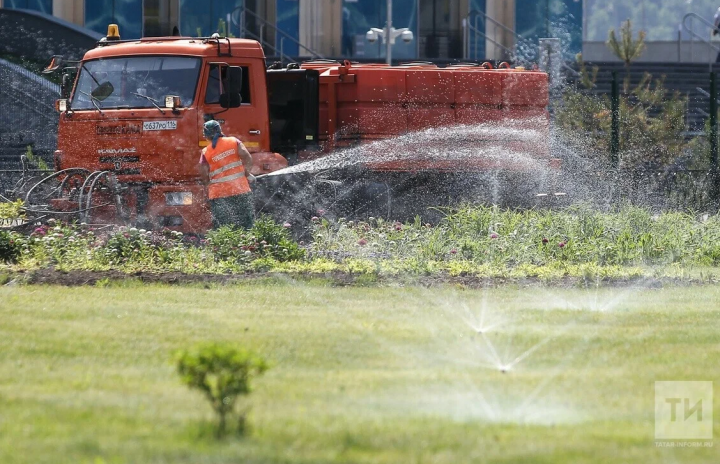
x: 118, y: 161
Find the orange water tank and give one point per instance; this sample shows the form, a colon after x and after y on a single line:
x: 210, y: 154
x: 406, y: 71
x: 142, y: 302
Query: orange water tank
x: 361, y: 102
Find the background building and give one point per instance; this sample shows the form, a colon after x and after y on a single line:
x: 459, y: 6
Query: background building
x: 446, y: 29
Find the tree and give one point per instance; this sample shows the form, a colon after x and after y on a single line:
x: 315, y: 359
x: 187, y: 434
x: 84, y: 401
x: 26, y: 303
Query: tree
x: 222, y: 373
x: 627, y: 49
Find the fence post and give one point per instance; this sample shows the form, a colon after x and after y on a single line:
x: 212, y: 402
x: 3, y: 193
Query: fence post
x: 713, y: 120
x: 615, y: 124
x: 714, y: 178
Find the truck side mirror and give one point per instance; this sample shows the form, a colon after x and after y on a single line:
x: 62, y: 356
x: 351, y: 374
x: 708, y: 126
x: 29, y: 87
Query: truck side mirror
x: 56, y: 63
x: 231, y: 98
x: 66, y: 85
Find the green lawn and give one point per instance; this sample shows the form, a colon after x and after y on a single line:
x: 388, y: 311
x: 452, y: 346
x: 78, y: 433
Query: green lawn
x: 366, y: 375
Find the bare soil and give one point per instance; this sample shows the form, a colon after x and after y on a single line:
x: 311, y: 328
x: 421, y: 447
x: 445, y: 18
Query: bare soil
x: 52, y: 276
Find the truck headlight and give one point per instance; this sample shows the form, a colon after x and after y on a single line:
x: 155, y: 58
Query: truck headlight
x: 178, y: 198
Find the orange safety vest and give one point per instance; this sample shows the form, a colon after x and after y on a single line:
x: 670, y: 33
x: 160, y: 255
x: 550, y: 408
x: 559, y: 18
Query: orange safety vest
x: 227, y: 173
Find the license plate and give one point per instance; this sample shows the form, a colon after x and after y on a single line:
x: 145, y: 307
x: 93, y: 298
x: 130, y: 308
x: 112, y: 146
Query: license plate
x: 159, y: 125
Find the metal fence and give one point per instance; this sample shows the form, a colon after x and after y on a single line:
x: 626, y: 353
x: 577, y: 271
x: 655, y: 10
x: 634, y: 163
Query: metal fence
x: 28, y: 93
x: 27, y: 114
x: 682, y: 189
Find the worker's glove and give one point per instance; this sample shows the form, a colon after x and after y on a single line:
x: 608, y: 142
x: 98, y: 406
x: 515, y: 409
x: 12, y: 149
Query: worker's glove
x: 251, y: 178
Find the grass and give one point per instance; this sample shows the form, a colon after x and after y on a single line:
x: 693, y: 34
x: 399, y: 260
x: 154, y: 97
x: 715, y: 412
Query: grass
x: 373, y: 375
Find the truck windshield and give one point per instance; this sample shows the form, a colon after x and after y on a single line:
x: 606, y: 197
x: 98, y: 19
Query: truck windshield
x: 136, y: 82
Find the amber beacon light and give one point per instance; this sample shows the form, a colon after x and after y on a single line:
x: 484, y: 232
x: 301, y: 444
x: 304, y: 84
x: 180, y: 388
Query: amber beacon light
x: 113, y: 32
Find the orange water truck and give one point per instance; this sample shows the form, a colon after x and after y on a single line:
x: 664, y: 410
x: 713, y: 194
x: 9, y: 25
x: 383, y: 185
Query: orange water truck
x: 323, y: 134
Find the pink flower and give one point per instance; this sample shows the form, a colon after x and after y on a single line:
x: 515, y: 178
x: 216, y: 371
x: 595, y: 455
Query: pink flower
x: 453, y: 251
x: 544, y: 240
x: 362, y: 242
x: 561, y: 244
x: 493, y: 236
x: 287, y: 225
x: 314, y: 219
x: 321, y: 212
x: 398, y: 226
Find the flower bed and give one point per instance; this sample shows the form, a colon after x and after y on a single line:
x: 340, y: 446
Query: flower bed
x: 484, y: 241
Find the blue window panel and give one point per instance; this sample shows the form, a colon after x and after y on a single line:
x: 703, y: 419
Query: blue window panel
x: 566, y: 22
x: 43, y: 6
x: 98, y: 14
x: 203, y: 18
x: 476, y: 34
x: 288, y: 21
x: 219, y: 17
x: 359, y: 16
x: 127, y: 14
x: 551, y: 18
x: 195, y: 18
x: 405, y: 14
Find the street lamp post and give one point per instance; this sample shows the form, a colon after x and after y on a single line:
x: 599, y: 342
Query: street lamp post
x: 388, y: 45
x: 389, y: 34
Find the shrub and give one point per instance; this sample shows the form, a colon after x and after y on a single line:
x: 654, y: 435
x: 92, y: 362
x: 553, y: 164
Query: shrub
x: 276, y: 240
x: 59, y: 244
x: 10, y: 246
x: 127, y: 244
x: 222, y: 373
x: 11, y: 210
x: 35, y: 161
x: 229, y: 243
x: 136, y: 246
x: 267, y: 239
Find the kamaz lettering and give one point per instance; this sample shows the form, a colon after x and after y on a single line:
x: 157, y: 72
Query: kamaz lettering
x: 116, y: 151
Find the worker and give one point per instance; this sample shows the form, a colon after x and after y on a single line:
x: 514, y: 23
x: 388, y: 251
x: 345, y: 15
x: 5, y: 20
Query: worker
x: 716, y: 30
x: 225, y: 167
